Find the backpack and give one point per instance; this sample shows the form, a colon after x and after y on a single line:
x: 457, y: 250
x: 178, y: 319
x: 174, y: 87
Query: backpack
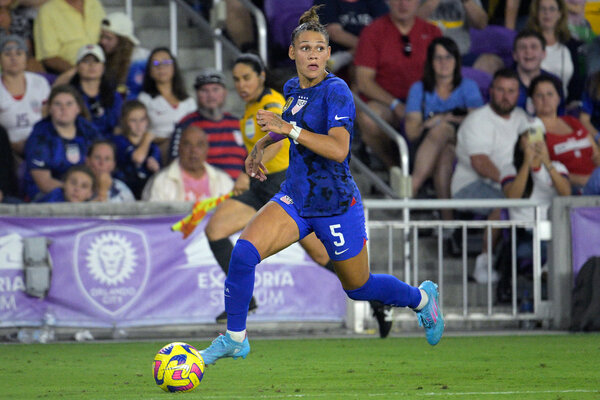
x: 585, y: 311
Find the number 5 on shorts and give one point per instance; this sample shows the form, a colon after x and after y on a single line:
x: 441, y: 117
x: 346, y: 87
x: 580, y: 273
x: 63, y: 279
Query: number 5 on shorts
x: 339, y: 235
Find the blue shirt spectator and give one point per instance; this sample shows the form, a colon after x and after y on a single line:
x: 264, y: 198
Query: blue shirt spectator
x: 45, y: 149
x: 105, y: 117
x: 435, y: 107
x: 78, y: 187
x: 98, y: 91
x: 466, y: 95
x: 132, y: 174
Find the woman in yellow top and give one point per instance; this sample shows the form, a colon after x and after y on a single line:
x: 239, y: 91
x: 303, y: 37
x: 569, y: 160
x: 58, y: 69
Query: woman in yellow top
x: 233, y: 214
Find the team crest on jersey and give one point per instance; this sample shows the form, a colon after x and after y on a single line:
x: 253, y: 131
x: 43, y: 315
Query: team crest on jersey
x: 36, y: 106
x: 73, y: 154
x: 287, y: 200
x: 288, y: 103
x: 301, y: 103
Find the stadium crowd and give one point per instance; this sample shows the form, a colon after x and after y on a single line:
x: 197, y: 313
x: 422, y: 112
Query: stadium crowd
x: 496, y: 99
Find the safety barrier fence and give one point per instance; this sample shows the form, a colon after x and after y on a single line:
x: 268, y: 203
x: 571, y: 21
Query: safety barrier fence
x: 450, y: 272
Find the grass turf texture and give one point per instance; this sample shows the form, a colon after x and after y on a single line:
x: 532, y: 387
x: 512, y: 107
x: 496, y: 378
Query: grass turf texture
x: 494, y: 367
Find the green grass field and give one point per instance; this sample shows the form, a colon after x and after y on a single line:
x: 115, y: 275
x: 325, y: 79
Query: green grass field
x: 474, y: 367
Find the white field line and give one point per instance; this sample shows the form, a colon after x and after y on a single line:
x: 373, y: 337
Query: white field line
x: 389, y: 394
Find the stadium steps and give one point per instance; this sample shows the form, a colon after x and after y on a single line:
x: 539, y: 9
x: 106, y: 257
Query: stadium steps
x: 452, y: 294
x: 194, y: 44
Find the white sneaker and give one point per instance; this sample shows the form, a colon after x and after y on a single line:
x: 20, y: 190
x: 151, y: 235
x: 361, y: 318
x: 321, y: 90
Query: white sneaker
x: 481, y: 270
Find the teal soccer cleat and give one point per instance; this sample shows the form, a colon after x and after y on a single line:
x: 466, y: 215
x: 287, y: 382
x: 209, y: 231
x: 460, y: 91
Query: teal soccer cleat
x: 225, y: 346
x: 431, y: 317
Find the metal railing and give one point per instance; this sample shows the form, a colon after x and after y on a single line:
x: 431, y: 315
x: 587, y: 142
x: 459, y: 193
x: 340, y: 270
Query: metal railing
x: 404, y: 185
x: 412, y: 274
x: 218, y: 15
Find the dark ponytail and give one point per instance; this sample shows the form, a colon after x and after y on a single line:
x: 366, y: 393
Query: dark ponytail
x: 309, y: 21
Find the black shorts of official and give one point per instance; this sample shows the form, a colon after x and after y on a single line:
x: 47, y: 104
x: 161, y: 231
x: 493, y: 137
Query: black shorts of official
x: 260, y: 193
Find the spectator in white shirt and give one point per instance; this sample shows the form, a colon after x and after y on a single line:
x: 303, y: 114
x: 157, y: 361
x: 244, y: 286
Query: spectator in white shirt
x: 485, y: 143
x: 164, y: 95
x: 23, y: 94
x: 189, y: 177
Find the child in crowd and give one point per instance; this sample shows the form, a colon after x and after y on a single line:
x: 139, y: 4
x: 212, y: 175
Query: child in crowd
x: 57, y: 142
x: 137, y: 156
x: 78, y: 187
x: 101, y: 159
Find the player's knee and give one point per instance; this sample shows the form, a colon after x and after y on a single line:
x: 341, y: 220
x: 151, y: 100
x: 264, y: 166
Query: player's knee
x: 215, y: 230
x: 360, y: 291
x: 212, y: 232
x: 244, y: 254
x: 320, y: 256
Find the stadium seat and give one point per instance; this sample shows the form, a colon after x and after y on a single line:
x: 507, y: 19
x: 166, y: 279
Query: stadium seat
x: 282, y: 17
x: 493, y: 39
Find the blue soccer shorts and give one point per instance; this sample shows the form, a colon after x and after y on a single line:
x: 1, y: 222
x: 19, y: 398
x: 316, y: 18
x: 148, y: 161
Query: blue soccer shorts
x: 343, y: 235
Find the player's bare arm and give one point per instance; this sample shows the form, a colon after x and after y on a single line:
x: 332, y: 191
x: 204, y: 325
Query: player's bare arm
x: 255, y: 166
x: 333, y: 146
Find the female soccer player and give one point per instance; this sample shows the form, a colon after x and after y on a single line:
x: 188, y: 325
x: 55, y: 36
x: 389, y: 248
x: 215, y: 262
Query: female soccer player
x: 249, y: 76
x: 319, y: 195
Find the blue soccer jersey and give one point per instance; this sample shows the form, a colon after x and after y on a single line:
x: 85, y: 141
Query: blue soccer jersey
x: 317, y: 185
x: 45, y: 149
x: 135, y: 176
x: 104, y: 118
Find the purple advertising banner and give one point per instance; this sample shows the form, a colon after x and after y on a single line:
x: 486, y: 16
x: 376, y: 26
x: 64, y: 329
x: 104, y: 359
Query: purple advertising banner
x: 585, y: 235
x: 136, y: 272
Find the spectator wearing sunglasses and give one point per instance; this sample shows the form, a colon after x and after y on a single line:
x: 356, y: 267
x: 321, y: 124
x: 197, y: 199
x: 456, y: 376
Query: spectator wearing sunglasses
x: 165, y: 97
x: 386, y: 69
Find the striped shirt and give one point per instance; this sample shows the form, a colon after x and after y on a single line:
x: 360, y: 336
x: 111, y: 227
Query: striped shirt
x: 226, y: 148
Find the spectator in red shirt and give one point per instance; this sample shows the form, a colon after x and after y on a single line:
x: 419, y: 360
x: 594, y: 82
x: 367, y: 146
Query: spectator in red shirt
x: 567, y: 139
x: 389, y: 58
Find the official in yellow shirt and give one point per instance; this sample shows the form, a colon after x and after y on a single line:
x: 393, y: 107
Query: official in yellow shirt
x: 269, y: 100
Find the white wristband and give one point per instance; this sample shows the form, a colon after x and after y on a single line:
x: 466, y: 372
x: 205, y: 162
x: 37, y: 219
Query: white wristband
x: 394, y: 104
x: 295, y: 132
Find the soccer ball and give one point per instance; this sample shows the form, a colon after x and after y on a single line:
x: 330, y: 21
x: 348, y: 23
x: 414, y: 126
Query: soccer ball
x: 178, y: 367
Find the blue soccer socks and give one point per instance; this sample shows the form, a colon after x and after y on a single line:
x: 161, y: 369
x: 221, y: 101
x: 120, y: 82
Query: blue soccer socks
x: 387, y: 289
x: 239, y: 284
